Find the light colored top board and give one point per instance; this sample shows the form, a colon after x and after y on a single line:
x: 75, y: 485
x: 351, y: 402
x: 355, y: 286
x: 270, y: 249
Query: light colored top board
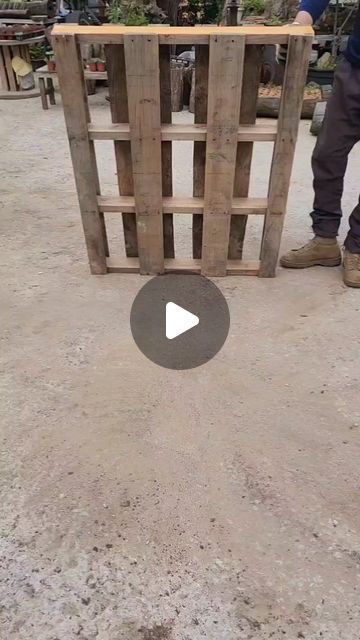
x: 110, y: 33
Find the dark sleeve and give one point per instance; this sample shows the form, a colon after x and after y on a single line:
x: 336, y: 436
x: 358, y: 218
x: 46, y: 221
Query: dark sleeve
x: 314, y: 7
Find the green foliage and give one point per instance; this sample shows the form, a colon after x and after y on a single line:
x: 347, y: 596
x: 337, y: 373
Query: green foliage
x: 201, y: 11
x: 256, y: 7
x: 37, y: 52
x: 129, y: 12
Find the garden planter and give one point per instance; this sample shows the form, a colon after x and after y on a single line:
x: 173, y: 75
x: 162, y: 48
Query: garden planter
x: 51, y: 65
x: 100, y: 66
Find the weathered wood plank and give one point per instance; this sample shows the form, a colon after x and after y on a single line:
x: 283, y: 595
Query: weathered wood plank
x: 234, y: 267
x: 240, y: 206
x: 201, y: 72
x: 288, y: 123
x: 224, y: 97
x: 143, y: 86
x: 115, y: 62
x: 197, y: 132
x: 166, y: 147
x: 43, y: 94
x: 77, y: 117
x: 50, y: 90
x: 9, y: 70
x: 250, y: 87
x: 114, y: 34
x: 3, y: 74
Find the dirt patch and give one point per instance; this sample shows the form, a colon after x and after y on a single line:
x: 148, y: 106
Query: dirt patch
x: 157, y: 632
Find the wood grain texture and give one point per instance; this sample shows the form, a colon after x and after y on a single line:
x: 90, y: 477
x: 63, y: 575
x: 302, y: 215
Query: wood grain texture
x: 115, y: 61
x: 187, y: 205
x: 200, y: 113
x: 9, y: 70
x: 3, y: 74
x: 114, y: 34
x: 197, y: 132
x: 50, y: 90
x: 166, y: 147
x: 234, y: 268
x: 224, y: 97
x: 288, y: 123
x: 43, y: 94
x: 249, y: 95
x: 143, y: 86
x: 77, y: 117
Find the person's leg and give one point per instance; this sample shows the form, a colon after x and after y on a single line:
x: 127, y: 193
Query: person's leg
x: 352, y: 251
x: 352, y: 242
x: 339, y: 133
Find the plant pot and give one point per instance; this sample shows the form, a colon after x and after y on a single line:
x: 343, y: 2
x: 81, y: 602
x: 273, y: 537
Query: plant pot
x: 100, y: 66
x: 92, y: 66
x: 51, y: 65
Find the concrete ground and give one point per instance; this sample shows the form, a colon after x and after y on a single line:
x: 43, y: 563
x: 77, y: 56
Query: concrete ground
x: 139, y: 503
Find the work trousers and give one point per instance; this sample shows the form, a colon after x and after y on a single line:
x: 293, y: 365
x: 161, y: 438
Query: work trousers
x: 339, y: 133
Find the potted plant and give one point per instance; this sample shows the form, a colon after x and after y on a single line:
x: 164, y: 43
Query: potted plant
x: 93, y: 64
x: 37, y: 56
x: 100, y: 65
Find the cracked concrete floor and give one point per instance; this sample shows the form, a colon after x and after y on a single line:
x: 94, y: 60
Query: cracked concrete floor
x: 139, y: 503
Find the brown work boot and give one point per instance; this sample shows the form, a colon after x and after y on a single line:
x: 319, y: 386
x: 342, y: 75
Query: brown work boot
x: 351, y: 264
x: 320, y: 251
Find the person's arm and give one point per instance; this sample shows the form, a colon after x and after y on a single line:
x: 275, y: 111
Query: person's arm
x: 310, y: 11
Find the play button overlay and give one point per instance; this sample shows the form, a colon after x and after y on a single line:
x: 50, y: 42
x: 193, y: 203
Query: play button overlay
x: 179, y: 321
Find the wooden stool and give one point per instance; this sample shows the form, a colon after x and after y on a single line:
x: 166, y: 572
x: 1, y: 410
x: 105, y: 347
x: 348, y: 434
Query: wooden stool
x: 44, y: 74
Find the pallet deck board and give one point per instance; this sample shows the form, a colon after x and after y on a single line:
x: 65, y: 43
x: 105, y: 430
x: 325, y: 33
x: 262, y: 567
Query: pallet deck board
x: 223, y: 112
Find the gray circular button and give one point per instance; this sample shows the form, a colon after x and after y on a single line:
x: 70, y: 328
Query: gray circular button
x: 179, y: 321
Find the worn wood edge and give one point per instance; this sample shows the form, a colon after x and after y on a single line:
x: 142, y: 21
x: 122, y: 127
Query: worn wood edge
x: 234, y: 267
x: 181, y: 132
x: 126, y: 204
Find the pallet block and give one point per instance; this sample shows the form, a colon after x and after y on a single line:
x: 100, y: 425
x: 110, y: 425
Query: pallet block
x: 227, y: 75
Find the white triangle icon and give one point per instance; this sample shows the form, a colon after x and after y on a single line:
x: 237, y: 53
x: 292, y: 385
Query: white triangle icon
x: 178, y: 320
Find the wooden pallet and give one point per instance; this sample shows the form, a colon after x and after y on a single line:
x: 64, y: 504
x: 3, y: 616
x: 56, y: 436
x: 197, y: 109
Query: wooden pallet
x: 227, y: 77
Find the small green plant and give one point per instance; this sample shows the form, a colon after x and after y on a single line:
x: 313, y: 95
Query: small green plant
x: 256, y: 7
x: 129, y: 12
x: 114, y: 12
x: 37, y: 52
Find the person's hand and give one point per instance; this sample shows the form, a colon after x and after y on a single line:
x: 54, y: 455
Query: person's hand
x: 303, y: 19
